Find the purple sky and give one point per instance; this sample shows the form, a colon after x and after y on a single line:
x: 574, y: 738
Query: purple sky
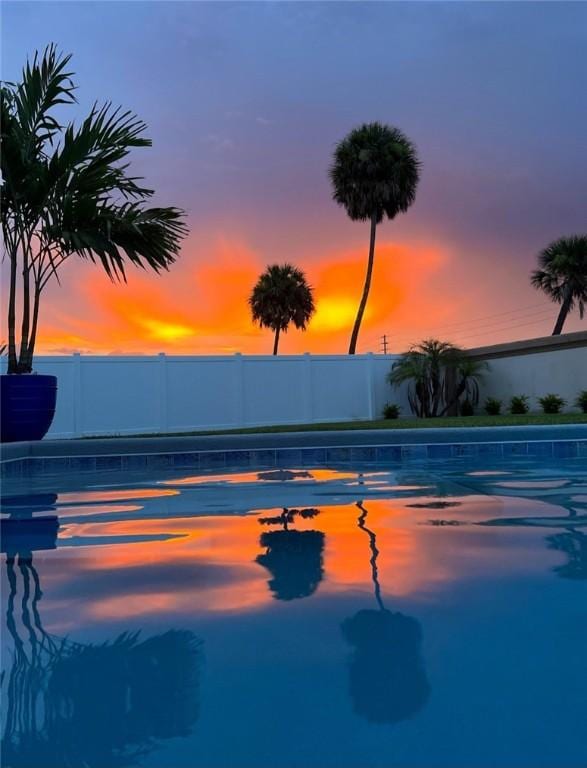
x: 244, y: 102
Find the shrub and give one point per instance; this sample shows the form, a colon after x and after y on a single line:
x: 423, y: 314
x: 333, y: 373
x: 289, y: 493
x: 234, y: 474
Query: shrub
x: 438, y: 374
x: 551, y: 403
x: 519, y: 404
x: 492, y: 406
x: 391, y: 411
x: 467, y: 408
x: 581, y: 401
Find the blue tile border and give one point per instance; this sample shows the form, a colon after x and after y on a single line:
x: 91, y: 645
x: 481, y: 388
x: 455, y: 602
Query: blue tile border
x: 363, y: 455
x: 286, y: 457
x: 541, y: 449
x: 213, y: 460
x: 515, y: 449
x: 294, y: 457
x: 389, y: 454
x: 312, y: 457
x: 338, y: 455
x: 565, y: 450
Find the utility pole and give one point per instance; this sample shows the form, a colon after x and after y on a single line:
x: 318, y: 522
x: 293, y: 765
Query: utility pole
x: 384, y: 343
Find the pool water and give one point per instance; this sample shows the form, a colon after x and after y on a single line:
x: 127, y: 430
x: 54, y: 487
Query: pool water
x: 288, y: 618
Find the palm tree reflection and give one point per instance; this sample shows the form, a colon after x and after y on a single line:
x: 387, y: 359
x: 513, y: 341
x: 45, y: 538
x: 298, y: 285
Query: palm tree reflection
x: 574, y: 544
x: 293, y: 558
x: 388, y: 681
x: 97, y: 706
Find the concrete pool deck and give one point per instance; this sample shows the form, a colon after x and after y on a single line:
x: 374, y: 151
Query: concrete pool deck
x: 99, y: 446
x: 292, y: 448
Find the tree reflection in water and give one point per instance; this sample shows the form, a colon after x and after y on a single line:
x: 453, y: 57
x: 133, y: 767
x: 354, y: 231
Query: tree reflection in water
x: 388, y: 680
x: 293, y: 558
x: 97, y: 706
x: 574, y: 544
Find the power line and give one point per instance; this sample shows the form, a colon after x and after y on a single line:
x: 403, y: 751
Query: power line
x: 507, y: 327
x: 531, y: 314
x: 498, y: 324
x: 490, y: 317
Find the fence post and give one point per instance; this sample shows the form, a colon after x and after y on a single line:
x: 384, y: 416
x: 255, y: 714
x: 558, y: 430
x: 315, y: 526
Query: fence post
x: 162, y: 360
x: 77, y: 394
x: 239, y: 381
x: 307, y: 389
x: 370, y: 386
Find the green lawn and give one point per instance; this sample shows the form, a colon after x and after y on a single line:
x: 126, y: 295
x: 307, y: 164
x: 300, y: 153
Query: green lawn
x: 448, y: 421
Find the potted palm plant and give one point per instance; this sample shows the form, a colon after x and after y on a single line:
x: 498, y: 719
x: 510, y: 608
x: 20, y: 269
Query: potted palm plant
x: 65, y: 192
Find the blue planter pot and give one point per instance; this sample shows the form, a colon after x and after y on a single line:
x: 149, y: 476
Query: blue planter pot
x: 28, y: 406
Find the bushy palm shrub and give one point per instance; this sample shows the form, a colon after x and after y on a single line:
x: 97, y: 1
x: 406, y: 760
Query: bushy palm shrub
x: 551, y: 403
x: 492, y: 406
x: 519, y: 404
x: 438, y: 375
x: 391, y: 411
x: 581, y: 401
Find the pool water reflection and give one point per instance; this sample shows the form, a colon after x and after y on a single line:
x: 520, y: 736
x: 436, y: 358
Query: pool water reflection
x: 296, y: 618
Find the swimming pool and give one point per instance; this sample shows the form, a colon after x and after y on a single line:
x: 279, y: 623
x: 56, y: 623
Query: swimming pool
x: 351, y: 616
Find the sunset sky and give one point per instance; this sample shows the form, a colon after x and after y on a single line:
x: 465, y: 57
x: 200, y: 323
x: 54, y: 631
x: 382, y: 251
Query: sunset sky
x: 245, y: 102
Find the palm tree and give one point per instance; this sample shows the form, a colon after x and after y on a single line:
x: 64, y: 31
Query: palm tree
x: 280, y: 297
x: 438, y: 374
x: 563, y: 276
x: 66, y: 192
x: 375, y: 172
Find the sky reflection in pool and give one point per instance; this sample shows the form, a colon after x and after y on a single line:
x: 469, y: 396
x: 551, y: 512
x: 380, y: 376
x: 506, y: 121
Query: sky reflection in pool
x: 415, y: 619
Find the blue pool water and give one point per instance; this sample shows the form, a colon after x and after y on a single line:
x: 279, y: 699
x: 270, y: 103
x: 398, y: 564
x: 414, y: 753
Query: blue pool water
x: 333, y: 618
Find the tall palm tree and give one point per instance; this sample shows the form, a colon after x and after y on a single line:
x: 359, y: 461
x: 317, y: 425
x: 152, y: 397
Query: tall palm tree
x: 280, y: 297
x: 563, y: 276
x: 66, y: 192
x: 374, y: 173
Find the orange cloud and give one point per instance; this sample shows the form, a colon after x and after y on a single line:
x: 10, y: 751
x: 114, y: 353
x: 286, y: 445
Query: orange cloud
x: 201, y: 305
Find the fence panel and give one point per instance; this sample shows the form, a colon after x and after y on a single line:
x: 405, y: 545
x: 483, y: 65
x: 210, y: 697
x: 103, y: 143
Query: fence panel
x: 124, y: 395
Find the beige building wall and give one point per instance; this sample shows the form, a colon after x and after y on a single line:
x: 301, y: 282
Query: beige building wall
x: 536, y: 368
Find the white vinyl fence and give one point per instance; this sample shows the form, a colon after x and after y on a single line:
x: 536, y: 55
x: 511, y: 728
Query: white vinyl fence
x: 126, y: 395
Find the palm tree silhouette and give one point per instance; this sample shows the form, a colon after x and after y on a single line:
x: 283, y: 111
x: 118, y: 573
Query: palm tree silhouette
x: 294, y: 558
x: 388, y: 680
x: 562, y: 275
x: 280, y: 297
x: 100, y: 706
x: 66, y: 193
x: 374, y: 173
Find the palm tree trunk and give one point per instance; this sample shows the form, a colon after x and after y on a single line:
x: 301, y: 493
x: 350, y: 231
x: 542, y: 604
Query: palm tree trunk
x: 276, y: 342
x: 562, y: 315
x: 26, y: 311
x: 12, y: 361
x: 33, y: 336
x: 367, y: 286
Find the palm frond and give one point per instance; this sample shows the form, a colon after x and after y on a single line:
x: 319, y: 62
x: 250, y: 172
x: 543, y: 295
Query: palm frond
x: 44, y: 85
x: 562, y: 271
